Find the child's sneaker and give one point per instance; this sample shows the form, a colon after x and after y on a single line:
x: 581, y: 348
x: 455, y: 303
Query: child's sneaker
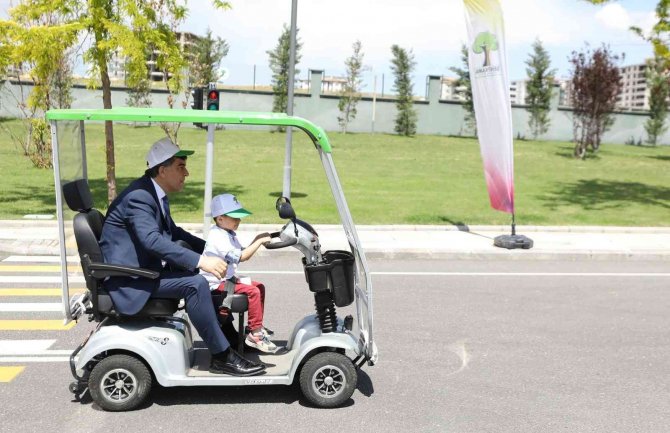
x: 267, y: 331
x: 261, y: 342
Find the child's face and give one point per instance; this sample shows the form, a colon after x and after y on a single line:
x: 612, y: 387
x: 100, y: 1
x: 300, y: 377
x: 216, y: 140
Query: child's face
x: 228, y: 223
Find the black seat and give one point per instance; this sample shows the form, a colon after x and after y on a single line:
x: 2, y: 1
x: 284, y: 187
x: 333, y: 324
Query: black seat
x: 87, y: 225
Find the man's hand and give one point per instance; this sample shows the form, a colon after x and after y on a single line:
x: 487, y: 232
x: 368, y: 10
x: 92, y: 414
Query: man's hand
x: 213, y: 265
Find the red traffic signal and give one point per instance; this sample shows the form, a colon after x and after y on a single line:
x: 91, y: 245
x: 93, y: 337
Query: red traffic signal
x: 213, y: 100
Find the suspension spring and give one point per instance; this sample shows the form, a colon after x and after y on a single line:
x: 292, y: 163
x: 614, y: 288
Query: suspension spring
x: 325, y: 311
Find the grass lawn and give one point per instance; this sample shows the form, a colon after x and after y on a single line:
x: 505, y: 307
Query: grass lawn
x: 386, y: 179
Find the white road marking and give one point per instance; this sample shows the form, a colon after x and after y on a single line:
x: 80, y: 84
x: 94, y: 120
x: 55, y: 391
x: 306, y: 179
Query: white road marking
x: 39, y: 259
x: 21, y: 359
x: 30, y: 347
x: 529, y: 274
x: 22, y: 351
x: 38, y: 279
x: 20, y: 279
x: 30, y: 307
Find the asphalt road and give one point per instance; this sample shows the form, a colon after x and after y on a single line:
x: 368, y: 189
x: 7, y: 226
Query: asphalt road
x: 465, y: 346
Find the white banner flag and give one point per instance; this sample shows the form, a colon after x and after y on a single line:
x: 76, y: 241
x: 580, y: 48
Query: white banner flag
x: 490, y: 92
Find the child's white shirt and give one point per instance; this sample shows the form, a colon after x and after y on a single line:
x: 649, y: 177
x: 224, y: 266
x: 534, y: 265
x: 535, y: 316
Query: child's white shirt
x: 225, y: 245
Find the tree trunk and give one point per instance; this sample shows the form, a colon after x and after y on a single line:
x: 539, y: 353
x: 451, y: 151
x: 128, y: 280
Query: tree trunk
x: 109, y: 135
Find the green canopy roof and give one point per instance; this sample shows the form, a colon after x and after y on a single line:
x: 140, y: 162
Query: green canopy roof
x: 317, y: 134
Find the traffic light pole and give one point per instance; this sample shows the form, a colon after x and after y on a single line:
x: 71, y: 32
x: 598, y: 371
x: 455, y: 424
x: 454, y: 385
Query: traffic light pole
x: 289, y: 109
x: 209, y: 170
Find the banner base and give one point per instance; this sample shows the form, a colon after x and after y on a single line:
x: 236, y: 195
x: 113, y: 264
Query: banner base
x: 513, y: 241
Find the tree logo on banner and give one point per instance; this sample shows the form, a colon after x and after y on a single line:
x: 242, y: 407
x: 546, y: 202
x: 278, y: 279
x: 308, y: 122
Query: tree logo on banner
x: 485, y: 42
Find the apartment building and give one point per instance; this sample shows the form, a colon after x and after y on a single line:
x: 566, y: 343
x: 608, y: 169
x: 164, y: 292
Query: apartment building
x: 117, y: 68
x: 634, y: 91
x: 329, y: 84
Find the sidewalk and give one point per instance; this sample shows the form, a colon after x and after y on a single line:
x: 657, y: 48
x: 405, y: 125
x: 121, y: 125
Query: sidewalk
x: 33, y: 237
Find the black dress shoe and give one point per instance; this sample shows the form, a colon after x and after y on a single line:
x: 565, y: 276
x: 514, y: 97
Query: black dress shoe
x: 235, y: 365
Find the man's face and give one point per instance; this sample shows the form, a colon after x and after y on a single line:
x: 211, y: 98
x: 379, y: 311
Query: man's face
x: 172, y: 177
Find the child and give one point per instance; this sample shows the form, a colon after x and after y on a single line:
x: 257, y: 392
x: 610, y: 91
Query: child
x: 222, y: 242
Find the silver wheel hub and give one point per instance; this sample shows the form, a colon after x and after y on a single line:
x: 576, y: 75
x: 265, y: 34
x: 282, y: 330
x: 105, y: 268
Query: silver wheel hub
x: 118, y: 385
x: 328, y: 381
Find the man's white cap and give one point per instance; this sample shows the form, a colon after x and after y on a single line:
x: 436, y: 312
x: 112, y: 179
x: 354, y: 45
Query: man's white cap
x: 227, y: 204
x: 162, y: 150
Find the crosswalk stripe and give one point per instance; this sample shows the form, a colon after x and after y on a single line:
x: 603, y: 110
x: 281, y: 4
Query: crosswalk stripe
x: 8, y: 373
x: 34, y: 325
x: 31, y: 348
x: 39, y: 259
x: 22, y: 359
x: 24, y: 347
x: 36, y: 268
x: 37, y: 292
x: 22, y: 279
x: 25, y: 307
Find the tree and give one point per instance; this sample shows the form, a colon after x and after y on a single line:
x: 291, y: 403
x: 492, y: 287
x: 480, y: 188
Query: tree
x: 130, y: 28
x: 659, y: 90
x: 279, y: 64
x: 207, y: 55
x: 463, y: 86
x: 539, y: 87
x: 402, y: 65
x: 38, y: 44
x: 350, y: 94
x: 485, y: 42
x: 594, y: 88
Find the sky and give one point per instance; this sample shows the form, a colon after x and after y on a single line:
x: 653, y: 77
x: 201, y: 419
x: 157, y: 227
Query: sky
x: 434, y: 31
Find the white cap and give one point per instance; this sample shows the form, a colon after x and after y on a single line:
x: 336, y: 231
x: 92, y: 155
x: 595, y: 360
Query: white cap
x: 227, y: 204
x: 162, y: 150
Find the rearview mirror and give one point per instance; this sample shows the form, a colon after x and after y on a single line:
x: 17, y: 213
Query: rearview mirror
x: 284, y: 208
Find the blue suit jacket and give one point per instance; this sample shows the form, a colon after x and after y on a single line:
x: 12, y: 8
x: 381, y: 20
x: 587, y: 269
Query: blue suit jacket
x: 136, y: 233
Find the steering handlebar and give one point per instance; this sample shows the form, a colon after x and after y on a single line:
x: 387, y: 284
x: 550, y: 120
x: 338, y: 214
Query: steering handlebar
x: 282, y: 244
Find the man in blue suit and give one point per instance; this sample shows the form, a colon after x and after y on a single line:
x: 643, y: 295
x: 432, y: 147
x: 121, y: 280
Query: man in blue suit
x: 139, y: 231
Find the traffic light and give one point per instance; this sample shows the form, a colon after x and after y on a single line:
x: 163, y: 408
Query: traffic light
x: 196, y: 103
x: 213, y: 100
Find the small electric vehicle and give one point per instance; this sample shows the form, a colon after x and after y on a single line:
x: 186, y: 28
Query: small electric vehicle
x: 124, y: 355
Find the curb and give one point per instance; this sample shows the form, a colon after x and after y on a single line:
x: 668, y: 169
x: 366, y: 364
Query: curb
x: 51, y: 249
x: 197, y: 227
x: 39, y: 237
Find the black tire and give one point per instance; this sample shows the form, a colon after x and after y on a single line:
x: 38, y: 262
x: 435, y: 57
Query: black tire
x: 328, y: 379
x: 119, y: 383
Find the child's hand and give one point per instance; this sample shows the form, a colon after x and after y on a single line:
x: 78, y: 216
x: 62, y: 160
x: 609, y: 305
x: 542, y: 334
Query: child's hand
x: 263, y: 238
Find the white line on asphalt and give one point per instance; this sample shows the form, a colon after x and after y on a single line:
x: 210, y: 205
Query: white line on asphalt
x: 39, y: 259
x: 493, y: 274
x: 38, y: 280
x: 529, y: 274
x: 30, y: 347
x: 80, y: 279
x: 25, y: 307
x: 20, y: 359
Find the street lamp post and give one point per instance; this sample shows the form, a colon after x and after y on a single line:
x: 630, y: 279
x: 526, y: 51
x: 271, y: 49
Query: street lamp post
x: 289, y: 108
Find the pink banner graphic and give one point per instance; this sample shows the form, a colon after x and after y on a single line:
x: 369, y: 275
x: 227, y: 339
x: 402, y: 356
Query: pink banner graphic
x: 490, y: 92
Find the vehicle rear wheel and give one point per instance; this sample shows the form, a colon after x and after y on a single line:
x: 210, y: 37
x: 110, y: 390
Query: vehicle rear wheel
x: 119, y: 383
x: 328, y: 379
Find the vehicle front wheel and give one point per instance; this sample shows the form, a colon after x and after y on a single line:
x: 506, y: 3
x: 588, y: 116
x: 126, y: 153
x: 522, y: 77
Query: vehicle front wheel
x: 328, y: 379
x: 119, y: 383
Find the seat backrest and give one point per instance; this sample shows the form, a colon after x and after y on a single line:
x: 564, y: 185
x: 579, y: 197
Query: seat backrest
x: 87, y: 225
